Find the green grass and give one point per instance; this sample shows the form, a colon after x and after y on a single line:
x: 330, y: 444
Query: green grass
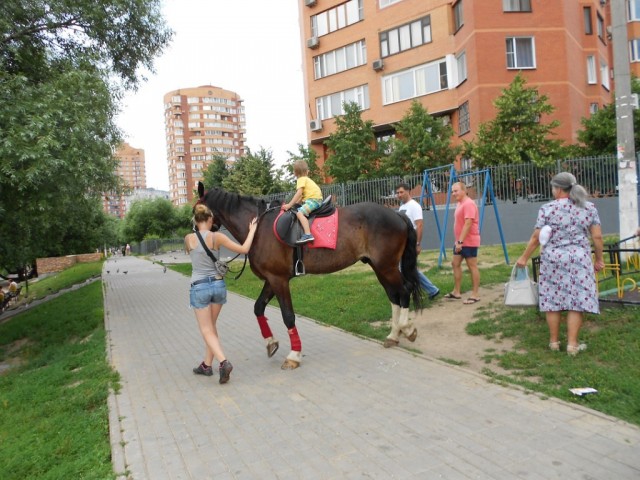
x: 354, y: 301
x: 74, y: 275
x: 54, y: 415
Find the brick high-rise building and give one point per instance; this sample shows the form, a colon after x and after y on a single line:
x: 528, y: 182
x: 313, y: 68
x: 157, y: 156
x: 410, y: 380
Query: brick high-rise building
x: 455, y: 57
x: 201, y: 123
x: 132, y: 171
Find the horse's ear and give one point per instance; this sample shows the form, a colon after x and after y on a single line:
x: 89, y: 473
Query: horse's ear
x: 200, y: 189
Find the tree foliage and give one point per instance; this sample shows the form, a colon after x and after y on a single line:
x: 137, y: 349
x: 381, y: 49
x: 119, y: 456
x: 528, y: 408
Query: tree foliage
x: 62, y: 67
x: 216, y: 172
x: 422, y: 142
x: 353, y: 152
x: 599, y: 133
x: 517, y: 134
x: 151, y: 217
x: 310, y: 156
x: 251, y: 174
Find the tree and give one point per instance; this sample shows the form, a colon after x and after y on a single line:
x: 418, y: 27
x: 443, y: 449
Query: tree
x: 251, y: 174
x: 422, y: 142
x: 310, y: 156
x: 353, y: 151
x: 599, y: 136
x: 517, y: 134
x: 216, y: 172
x: 63, y: 66
x: 151, y: 217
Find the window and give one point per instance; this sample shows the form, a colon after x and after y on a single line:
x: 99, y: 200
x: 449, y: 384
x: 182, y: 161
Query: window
x: 600, y: 24
x: 516, y: 5
x: 464, y: 124
x: 461, y: 62
x: 336, y: 18
x: 634, y: 50
x: 593, y: 108
x: 458, y: 19
x: 421, y: 80
x: 405, y: 37
x: 604, y: 74
x: 520, y: 53
x: 633, y: 12
x: 386, y: 3
x: 592, y: 77
x: 339, y: 60
x: 330, y: 106
x: 588, y: 22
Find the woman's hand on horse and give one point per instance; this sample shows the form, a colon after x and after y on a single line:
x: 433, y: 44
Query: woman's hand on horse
x: 253, y: 223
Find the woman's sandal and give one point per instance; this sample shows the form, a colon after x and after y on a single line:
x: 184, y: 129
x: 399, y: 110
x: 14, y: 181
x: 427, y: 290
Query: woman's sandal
x: 451, y: 296
x: 573, y: 350
x: 554, y: 346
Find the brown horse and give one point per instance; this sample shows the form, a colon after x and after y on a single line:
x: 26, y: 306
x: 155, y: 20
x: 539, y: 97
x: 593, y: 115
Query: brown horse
x: 368, y: 232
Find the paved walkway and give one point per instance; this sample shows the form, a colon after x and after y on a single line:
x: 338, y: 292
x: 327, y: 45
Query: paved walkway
x: 352, y: 410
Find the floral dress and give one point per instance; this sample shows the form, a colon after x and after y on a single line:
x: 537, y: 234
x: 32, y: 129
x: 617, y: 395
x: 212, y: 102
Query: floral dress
x: 567, y: 278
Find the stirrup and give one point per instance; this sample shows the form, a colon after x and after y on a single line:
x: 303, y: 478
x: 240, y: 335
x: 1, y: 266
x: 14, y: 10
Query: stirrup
x: 299, y: 268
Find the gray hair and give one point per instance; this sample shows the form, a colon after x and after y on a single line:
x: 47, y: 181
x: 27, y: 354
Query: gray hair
x: 567, y: 183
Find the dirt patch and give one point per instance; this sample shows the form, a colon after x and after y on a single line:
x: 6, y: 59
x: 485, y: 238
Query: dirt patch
x: 442, y: 335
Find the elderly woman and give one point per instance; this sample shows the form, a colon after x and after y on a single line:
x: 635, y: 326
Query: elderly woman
x: 567, y: 279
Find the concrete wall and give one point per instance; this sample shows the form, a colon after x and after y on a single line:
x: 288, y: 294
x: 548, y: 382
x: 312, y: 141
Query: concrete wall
x: 517, y: 221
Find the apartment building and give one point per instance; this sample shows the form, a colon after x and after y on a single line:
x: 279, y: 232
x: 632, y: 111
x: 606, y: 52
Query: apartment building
x: 132, y: 171
x: 201, y: 123
x: 455, y: 57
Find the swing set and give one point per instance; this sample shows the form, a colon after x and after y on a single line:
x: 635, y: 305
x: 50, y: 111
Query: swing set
x: 487, y: 191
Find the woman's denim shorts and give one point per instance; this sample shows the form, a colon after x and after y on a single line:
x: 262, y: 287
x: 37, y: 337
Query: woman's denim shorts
x: 204, y: 294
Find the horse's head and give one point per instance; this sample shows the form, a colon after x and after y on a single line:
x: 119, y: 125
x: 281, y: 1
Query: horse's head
x: 202, y: 200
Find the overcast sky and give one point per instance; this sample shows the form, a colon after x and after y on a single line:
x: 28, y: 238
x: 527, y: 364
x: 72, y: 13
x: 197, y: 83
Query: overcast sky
x: 251, y: 47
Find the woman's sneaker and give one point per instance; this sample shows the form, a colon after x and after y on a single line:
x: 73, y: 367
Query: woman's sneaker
x: 225, y: 371
x: 203, y: 369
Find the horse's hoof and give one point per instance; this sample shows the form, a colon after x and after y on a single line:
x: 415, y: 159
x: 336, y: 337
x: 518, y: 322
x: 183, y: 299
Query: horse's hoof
x: 413, y: 336
x: 272, y: 348
x: 388, y: 343
x: 290, y: 364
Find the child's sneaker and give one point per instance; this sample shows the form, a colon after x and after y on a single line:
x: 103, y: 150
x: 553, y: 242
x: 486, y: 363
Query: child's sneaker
x: 203, y: 369
x: 225, y: 371
x: 305, y: 238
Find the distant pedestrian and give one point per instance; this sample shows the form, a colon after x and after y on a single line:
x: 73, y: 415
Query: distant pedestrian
x: 467, y: 241
x: 413, y: 210
x: 208, y: 291
x: 128, y: 249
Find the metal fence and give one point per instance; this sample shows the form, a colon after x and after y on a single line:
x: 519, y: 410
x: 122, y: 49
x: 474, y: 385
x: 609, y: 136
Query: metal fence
x: 157, y: 245
x: 521, y: 182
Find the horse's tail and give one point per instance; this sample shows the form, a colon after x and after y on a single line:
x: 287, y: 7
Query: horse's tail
x: 409, y: 265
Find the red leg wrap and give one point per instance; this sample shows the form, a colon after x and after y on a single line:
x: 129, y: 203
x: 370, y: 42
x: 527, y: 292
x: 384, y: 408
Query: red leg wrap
x: 296, y: 344
x: 264, y: 327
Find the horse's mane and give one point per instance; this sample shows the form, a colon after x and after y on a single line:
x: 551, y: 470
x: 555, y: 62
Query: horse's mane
x: 230, y: 201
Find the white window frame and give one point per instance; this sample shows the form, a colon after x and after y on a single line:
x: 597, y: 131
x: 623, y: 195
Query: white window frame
x: 336, y: 18
x: 604, y: 74
x: 387, y: 3
x: 633, y: 10
x: 332, y: 105
x: 461, y: 67
x: 343, y: 58
x: 516, y: 5
x: 415, y: 82
x: 512, y: 46
x: 592, y: 73
x: 634, y: 50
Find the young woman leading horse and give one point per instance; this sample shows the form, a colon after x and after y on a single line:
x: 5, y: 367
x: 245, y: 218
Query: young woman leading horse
x: 368, y: 232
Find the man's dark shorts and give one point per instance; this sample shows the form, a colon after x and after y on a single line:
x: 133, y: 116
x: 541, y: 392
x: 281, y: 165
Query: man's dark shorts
x: 466, y: 252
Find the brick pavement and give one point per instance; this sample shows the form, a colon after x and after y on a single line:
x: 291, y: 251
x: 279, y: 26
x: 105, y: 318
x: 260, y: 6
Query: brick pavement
x: 352, y: 410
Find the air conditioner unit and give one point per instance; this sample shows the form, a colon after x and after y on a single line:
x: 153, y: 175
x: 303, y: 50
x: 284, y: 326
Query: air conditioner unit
x: 315, y: 125
x: 313, y: 42
x: 378, y: 65
x: 309, y: 3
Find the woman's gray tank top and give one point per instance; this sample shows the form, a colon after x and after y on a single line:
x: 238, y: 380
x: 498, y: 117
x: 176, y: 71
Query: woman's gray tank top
x: 201, y: 264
